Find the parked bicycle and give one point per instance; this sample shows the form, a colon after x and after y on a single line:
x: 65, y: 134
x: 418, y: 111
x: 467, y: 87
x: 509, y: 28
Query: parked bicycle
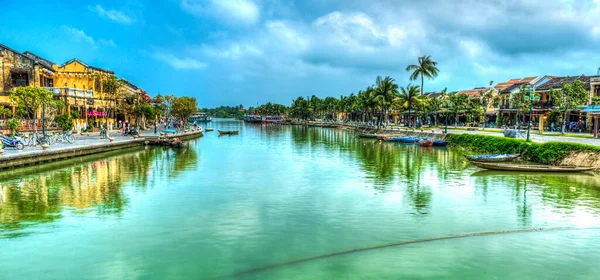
x: 61, y: 137
x: 35, y: 139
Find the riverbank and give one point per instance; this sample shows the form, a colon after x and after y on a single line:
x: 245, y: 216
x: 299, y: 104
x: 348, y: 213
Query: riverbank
x: 85, y: 145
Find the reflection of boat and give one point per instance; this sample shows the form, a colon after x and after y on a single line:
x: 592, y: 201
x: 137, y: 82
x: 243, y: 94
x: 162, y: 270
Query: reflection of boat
x: 229, y: 132
x: 388, y: 139
x: 210, y: 129
x: 531, y: 168
x: 367, y: 135
x: 440, y: 143
x: 492, y: 157
x: 425, y: 143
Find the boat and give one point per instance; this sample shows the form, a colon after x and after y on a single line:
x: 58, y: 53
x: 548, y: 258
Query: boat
x: 531, y: 168
x: 425, y: 143
x: 368, y: 135
x: 440, y: 143
x: 228, y: 132
x: 388, y: 139
x: 492, y: 157
x: 407, y: 139
x: 273, y: 119
x: 200, y: 117
x: 210, y: 129
x: 167, y: 131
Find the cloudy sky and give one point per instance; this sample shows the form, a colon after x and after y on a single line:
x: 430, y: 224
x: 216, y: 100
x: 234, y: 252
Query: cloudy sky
x: 230, y: 52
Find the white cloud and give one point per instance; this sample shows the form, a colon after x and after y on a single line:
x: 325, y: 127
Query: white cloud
x: 229, y: 11
x: 114, y: 15
x: 78, y: 35
x: 185, y: 63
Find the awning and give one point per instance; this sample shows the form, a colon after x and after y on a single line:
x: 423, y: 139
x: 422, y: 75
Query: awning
x: 592, y: 109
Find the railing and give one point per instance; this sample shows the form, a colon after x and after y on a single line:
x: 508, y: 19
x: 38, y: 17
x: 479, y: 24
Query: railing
x: 74, y: 92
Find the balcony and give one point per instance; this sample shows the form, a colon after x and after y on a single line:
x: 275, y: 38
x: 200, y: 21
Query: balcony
x: 71, y: 92
x: 543, y: 104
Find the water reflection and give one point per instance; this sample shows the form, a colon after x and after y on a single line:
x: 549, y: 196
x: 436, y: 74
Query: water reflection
x: 89, y: 186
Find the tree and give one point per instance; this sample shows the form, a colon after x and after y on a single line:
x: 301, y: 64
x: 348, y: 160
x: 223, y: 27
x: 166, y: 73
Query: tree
x: 488, y: 99
x: 384, y: 93
x: 458, y: 102
x: 65, y: 122
x: 408, y: 98
x: 184, y: 107
x: 569, y: 97
x: 31, y: 100
x: 518, y: 101
x: 425, y: 68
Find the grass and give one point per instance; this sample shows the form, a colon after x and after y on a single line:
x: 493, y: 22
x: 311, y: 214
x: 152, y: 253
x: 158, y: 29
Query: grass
x: 545, y: 153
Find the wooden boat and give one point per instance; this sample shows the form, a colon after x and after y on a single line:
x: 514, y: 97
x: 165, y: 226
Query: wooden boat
x: 210, y: 129
x: 440, y: 143
x: 425, y: 143
x: 228, y: 132
x: 367, y: 135
x: 531, y: 168
x: 492, y: 157
x: 388, y: 139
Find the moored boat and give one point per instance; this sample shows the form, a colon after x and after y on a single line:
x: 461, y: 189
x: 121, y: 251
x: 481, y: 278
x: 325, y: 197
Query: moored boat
x: 407, y: 139
x: 210, y: 129
x: 425, y: 143
x: 200, y: 117
x: 440, y: 143
x: 228, y: 132
x: 531, y: 168
x: 492, y: 157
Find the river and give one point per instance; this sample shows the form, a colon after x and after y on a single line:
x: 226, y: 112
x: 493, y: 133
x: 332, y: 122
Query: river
x: 280, y: 202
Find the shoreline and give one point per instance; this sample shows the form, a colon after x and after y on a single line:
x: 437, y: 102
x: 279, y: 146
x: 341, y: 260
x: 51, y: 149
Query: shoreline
x: 39, y: 157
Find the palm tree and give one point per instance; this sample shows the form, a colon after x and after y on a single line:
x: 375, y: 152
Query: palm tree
x: 384, y: 93
x: 408, y: 97
x: 425, y: 68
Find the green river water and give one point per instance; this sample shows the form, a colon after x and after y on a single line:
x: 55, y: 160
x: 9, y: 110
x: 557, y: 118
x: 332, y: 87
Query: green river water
x: 250, y: 206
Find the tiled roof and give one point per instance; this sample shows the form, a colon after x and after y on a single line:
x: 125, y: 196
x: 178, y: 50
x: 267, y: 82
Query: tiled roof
x: 433, y: 94
x: 476, y: 92
x: 557, y: 82
x: 40, y: 60
x: 86, y: 65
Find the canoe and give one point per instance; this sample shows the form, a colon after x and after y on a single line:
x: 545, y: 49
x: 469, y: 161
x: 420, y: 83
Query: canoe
x: 426, y: 143
x: 210, y: 129
x: 169, y: 131
x: 531, y: 168
x: 388, y: 139
x: 440, y: 143
x: 229, y: 132
x: 366, y: 135
x: 492, y: 157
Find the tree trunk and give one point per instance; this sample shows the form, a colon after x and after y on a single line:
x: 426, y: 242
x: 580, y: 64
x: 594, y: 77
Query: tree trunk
x: 422, y: 81
x: 564, y: 122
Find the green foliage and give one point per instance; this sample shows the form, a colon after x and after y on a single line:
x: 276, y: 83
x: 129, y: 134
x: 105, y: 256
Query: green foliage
x: 545, y: 153
x: 426, y: 67
x: 75, y: 115
x: 65, y: 122
x: 487, y: 144
x: 228, y: 112
x: 183, y: 107
x: 14, y: 125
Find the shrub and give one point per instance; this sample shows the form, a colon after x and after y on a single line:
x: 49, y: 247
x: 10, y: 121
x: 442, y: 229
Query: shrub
x: 545, y: 153
x: 65, y: 122
x: 14, y: 125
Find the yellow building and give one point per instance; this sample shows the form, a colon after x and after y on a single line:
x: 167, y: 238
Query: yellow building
x: 79, y: 86
x: 19, y: 69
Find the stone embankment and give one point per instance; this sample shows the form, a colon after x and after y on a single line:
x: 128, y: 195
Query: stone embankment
x: 34, y: 157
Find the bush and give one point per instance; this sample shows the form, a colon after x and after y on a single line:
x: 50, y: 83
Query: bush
x: 65, y: 122
x: 546, y: 153
x: 487, y: 144
x: 14, y: 125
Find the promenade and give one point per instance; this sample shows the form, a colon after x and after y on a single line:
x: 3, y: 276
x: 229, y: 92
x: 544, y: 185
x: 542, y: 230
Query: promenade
x: 83, y: 145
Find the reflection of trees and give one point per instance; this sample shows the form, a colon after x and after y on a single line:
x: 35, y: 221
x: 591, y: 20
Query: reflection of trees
x: 387, y: 164
x: 94, y: 185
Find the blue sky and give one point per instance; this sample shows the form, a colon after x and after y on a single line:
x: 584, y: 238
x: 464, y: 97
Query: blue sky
x: 230, y: 52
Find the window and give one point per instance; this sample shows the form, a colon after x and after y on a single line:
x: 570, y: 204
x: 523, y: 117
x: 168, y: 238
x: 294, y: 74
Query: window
x: 19, y: 79
x: 97, y: 85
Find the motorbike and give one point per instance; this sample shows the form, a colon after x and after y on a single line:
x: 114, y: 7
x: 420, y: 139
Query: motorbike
x: 131, y: 132
x: 14, y: 142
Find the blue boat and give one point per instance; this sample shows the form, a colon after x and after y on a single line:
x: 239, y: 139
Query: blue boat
x: 440, y: 143
x: 407, y: 139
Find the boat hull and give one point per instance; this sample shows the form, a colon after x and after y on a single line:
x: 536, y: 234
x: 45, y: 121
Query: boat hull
x: 531, y: 168
x: 426, y: 143
x: 492, y: 158
x: 228, y: 132
x: 440, y: 143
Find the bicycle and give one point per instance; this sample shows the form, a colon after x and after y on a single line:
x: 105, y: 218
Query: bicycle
x: 34, y: 139
x: 61, y: 137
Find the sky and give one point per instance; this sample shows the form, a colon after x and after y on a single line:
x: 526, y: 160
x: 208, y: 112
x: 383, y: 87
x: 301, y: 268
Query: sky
x: 231, y: 52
